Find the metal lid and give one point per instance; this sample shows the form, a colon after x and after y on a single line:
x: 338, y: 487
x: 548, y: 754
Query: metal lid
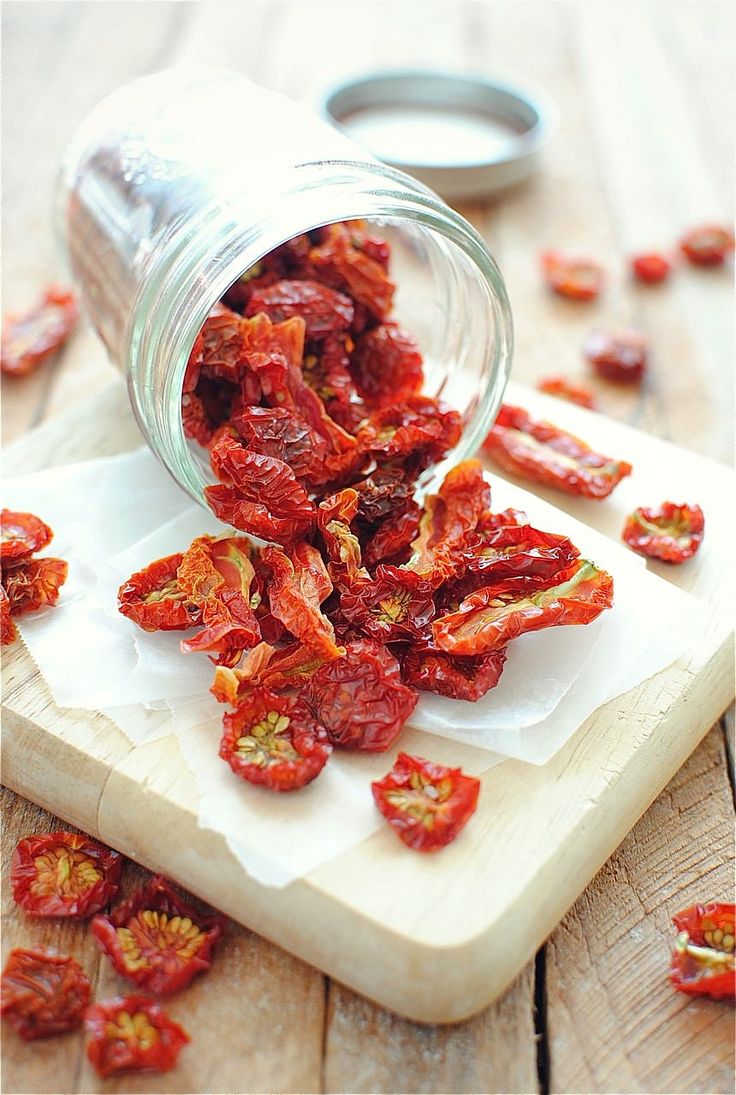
x: 461, y: 136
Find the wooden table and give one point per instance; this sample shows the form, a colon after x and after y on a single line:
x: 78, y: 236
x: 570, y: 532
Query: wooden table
x: 642, y: 153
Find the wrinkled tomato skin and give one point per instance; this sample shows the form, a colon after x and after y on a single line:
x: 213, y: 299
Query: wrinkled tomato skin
x: 43, y: 993
x: 650, y: 268
x: 30, y: 338
x: 387, y: 365
x: 572, y: 278
x: 140, y: 598
x: 425, y: 821
x: 8, y: 632
x: 397, y: 604
x: 324, y: 310
x: 566, y: 389
x: 429, y: 669
x: 63, y: 874
x: 23, y: 534
x: 707, y: 245
x: 671, y: 533
x: 132, y: 1034
x: 157, y: 939
x: 620, y: 357
x: 32, y: 583
x: 300, y: 754
x: 360, y: 699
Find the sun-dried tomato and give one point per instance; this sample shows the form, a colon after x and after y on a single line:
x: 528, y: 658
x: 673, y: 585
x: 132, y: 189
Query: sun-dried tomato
x: 510, y: 550
x: 132, y: 1034
x: 195, y: 421
x: 650, y: 267
x: 374, y: 246
x: 219, y: 350
x: 153, y: 599
x: 707, y: 245
x: 266, y: 667
x: 391, y: 540
x: 621, y: 357
x: 537, y: 450
x: 360, y: 699
x: 323, y: 310
x: 274, y: 741
x: 280, y: 433
x: 8, y: 633
x: 395, y: 605
x: 29, y: 338
x: 63, y: 874
x: 217, y: 574
x: 32, y: 583
x: 670, y: 532
x: 576, y: 279
x: 489, y: 522
x: 387, y: 365
x: 21, y: 535
x: 299, y: 583
x: 43, y: 993
x: 412, y: 426
x: 566, y: 389
x: 426, y: 804
x: 710, y: 925
x: 334, y: 517
x: 449, y: 517
x: 157, y: 939
x: 230, y: 506
x: 426, y: 667
x: 489, y: 618
x: 338, y: 261
x: 703, y: 962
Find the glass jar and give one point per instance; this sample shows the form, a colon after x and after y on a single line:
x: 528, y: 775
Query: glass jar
x: 179, y: 182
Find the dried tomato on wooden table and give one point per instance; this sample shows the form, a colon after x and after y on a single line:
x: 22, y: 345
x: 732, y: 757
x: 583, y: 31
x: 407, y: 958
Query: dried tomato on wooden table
x: 43, y: 993
x: 707, y: 245
x: 567, y: 389
x: 670, y: 532
x: 430, y: 669
x: 324, y: 310
x: 426, y: 804
x: 573, y: 278
x: 157, y: 939
x: 274, y: 741
x: 537, y: 450
x: 132, y: 1034
x: 360, y: 698
x: 63, y: 874
x: 621, y: 357
x: 153, y: 599
x: 496, y: 614
x: 29, y: 338
x: 703, y: 962
x: 650, y: 267
x: 21, y: 535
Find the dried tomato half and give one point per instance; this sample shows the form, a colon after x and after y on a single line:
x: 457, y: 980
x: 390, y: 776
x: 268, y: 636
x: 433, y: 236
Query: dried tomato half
x: 31, y: 337
x: 426, y: 667
x: 391, y: 540
x: 337, y: 260
x: 710, y: 925
x: 132, y: 1034
x: 299, y: 583
x: 63, y: 874
x: 387, y: 365
x: 491, y: 617
x: 153, y: 599
x: 21, y: 535
x: 703, y: 961
x: 217, y: 574
x: 274, y: 741
x: 397, y: 604
x: 360, y: 699
x: 334, y: 516
x: 280, y: 433
x: 515, y: 549
x: 266, y: 667
x: 426, y: 804
x: 324, y: 311
x: 8, y: 633
x: 621, y: 357
x: 537, y: 450
x: 449, y: 517
x: 575, y: 279
x: 416, y: 426
x: 43, y: 993
x: 670, y: 532
x: 157, y: 939
x: 567, y: 389
x: 650, y: 267
x: 32, y: 583
x: 707, y: 245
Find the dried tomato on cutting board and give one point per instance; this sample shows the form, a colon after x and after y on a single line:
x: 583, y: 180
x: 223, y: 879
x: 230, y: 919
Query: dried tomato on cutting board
x: 669, y: 532
x: 573, y: 278
x: 28, y: 583
x: 426, y: 804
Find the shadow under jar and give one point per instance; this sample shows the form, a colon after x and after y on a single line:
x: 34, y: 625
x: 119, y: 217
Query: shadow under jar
x: 178, y: 183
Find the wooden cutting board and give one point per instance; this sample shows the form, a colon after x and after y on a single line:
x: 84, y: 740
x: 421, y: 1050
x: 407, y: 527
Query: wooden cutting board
x: 448, y: 935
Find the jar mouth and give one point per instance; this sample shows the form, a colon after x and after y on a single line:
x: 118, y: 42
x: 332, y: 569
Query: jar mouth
x: 204, y: 258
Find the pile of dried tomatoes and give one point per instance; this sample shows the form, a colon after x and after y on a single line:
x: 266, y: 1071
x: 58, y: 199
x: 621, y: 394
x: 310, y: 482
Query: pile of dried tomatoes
x: 28, y: 583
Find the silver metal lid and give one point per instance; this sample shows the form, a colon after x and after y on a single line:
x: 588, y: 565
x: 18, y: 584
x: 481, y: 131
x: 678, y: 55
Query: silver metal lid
x: 462, y: 136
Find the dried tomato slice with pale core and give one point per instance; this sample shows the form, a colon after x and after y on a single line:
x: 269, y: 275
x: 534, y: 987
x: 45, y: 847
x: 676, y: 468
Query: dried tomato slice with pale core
x: 29, y: 338
x: 567, y: 389
x: 670, y: 532
x: 153, y: 599
x: 573, y: 278
x: 132, y: 1034
x: 707, y: 245
x: 63, y: 874
x: 21, y: 535
x: 426, y: 804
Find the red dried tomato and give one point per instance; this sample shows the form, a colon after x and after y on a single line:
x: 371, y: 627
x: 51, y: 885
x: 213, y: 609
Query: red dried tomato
x: 426, y: 667
x: 219, y: 350
x: 650, y: 267
x: 63, y: 874
x: 153, y: 599
x: 539, y: 451
x: 491, y: 617
x: 489, y: 522
x: 515, y: 549
x: 266, y: 667
x: 334, y: 516
x: 575, y: 279
x: 338, y: 261
x: 566, y: 389
x: 43, y: 993
x: 326, y: 371
x: 360, y: 699
x: 132, y: 1034
x: 21, y: 535
x: 298, y: 586
x: 710, y: 925
x: 413, y: 426
x: 375, y: 247
x: 387, y: 365
x: 449, y: 517
x: 323, y: 310
x: 426, y: 804
x: 32, y: 583
x: 282, y: 434
x: 230, y: 506
x: 157, y: 939
x: 670, y: 532
x: 31, y: 337
x: 703, y: 962
x: 8, y: 633
x: 391, y: 540
x: 620, y: 357
x: 395, y: 605
x: 707, y: 245
x: 274, y: 741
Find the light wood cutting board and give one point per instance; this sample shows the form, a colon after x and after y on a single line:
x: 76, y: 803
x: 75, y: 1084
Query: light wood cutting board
x: 448, y: 935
